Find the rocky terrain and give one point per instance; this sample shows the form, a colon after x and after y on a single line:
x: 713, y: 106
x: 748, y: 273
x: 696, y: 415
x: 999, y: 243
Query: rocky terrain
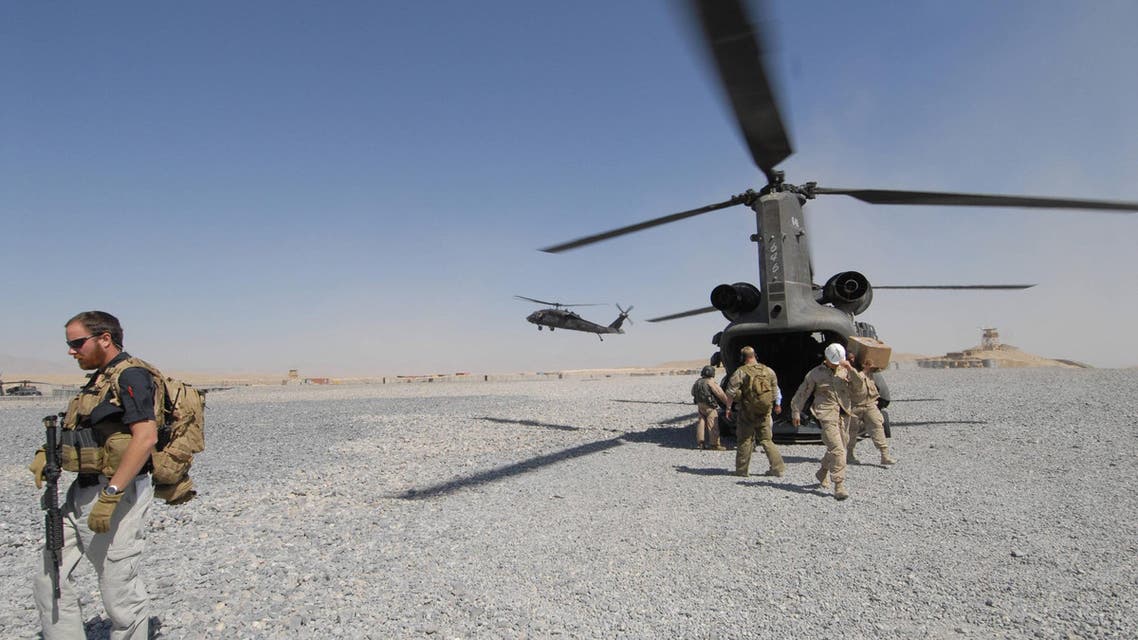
x: 576, y: 508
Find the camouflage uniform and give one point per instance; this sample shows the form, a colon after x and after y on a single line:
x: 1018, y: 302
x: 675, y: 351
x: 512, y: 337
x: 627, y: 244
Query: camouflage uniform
x: 832, y: 408
x: 746, y: 431
x: 864, y: 394
x: 706, y: 392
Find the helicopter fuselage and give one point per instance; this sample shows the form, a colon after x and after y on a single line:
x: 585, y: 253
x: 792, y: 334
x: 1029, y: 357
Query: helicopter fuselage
x: 788, y: 319
x: 564, y: 319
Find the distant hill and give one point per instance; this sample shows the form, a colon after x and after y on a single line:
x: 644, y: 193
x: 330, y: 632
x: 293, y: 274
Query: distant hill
x: 1004, y: 356
x: 27, y: 367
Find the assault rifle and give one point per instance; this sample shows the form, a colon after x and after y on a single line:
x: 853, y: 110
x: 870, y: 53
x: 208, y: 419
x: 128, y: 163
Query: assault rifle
x: 53, y: 517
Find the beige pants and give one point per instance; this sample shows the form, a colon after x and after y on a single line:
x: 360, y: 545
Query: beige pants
x: 745, y: 435
x: 708, y: 424
x: 868, y: 419
x: 836, y: 436
x: 114, y: 554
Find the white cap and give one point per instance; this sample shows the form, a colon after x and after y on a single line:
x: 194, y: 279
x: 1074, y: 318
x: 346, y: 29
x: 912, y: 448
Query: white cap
x: 835, y: 353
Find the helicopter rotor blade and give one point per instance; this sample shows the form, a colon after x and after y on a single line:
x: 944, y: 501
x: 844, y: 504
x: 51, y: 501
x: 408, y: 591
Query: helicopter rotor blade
x: 1002, y: 287
x: 735, y: 43
x: 647, y: 224
x: 892, y: 196
x: 683, y: 314
x: 560, y: 304
x: 554, y: 304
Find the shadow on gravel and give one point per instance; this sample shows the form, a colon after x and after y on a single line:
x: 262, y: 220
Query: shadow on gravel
x: 660, y: 436
x: 811, y: 489
x: 544, y: 425
x: 670, y: 437
x: 687, y: 417
x: 917, y: 400
x: 923, y: 423
x: 706, y: 471
x: 652, y: 401
x: 509, y: 470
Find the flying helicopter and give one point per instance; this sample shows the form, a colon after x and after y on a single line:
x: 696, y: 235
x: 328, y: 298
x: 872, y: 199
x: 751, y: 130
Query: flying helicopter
x: 787, y: 317
x: 560, y: 317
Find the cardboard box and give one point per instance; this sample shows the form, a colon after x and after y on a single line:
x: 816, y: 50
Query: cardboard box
x: 875, y: 352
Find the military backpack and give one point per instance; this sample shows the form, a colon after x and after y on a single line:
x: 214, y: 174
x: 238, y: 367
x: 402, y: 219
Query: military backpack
x: 756, y: 394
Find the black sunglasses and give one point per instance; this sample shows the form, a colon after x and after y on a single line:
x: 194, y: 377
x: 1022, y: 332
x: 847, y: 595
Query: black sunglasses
x: 78, y: 343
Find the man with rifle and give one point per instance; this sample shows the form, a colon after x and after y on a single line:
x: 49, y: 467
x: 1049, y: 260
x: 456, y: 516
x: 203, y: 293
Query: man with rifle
x: 108, y: 436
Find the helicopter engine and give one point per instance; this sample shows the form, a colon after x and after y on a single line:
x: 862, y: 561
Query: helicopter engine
x: 733, y: 300
x: 849, y: 291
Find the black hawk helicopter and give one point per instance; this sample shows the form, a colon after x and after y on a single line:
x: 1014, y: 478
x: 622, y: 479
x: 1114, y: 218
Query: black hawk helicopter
x: 788, y: 318
x: 559, y: 317
x: 21, y: 388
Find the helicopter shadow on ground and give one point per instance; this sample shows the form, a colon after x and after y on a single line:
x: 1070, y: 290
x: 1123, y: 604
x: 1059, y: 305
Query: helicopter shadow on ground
x: 687, y: 418
x: 507, y: 471
x: 652, y: 401
x: 544, y: 425
x: 664, y: 436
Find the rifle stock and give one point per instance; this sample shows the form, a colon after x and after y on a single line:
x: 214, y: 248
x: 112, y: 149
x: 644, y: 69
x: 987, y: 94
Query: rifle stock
x: 53, y: 517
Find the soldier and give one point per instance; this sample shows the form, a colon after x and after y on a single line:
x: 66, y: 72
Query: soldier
x: 707, y: 396
x: 829, y: 383
x: 864, y: 394
x: 755, y: 385
x: 113, y: 428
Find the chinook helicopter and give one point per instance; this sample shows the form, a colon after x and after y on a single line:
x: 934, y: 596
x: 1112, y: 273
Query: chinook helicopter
x: 559, y: 317
x: 787, y: 317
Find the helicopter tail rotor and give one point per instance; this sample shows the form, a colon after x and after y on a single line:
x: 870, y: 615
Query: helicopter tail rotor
x: 624, y: 313
x: 616, y: 324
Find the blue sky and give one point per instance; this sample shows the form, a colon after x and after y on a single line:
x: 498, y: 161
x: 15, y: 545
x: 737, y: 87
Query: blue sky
x: 360, y: 187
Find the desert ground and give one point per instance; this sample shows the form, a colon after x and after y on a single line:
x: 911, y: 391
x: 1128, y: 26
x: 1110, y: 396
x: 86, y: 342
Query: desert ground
x: 576, y: 507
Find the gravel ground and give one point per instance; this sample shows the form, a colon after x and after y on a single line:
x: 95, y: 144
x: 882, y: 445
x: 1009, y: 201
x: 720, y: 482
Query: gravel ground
x: 578, y: 509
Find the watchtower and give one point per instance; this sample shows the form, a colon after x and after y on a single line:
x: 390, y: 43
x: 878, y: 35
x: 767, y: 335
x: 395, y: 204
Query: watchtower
x: 990, y: 341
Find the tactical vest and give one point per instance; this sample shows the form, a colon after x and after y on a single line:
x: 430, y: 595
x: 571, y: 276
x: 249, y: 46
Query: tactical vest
x: 179, y: 411
x: 98, y: 448
x: 701, y: 392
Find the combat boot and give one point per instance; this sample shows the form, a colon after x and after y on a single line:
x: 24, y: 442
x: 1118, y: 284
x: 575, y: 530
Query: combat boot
x: 823, y: 480
x: 887, y: 459
x: 774, y: 473
x: 840, y: 492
